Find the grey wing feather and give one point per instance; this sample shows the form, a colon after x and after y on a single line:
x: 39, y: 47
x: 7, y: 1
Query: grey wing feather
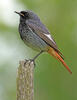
x: 41, y: 31
x: 39, y: 25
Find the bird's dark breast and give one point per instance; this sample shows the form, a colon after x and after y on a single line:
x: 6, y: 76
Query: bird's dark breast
x: 22, y: 30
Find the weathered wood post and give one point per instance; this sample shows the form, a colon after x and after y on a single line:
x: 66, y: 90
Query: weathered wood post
x: 25, y: 78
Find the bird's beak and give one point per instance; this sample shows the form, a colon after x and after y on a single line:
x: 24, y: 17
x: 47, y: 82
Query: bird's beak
x: 19, y: 13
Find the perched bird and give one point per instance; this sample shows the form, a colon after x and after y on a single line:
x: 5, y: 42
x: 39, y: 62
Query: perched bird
x: 35, y: 35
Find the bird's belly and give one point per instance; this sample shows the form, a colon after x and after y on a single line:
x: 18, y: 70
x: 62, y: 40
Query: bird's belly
x: 32, y: 40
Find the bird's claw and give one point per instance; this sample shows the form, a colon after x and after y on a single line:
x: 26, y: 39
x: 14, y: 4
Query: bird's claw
x: 30, y: 61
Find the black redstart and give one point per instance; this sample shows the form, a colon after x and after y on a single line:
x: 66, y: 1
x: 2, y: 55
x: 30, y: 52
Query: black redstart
x: 36, y: 35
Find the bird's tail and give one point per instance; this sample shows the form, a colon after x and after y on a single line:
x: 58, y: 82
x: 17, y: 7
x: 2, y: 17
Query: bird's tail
x: 54, y: 53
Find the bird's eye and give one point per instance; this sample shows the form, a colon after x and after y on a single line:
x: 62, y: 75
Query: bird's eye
x: 24, y: 14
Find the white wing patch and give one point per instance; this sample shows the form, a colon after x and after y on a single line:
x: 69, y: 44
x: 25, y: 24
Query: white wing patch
x: 49, y: 36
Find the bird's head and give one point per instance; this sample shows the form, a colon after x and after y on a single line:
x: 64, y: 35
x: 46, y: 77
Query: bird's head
x: 25, y: 15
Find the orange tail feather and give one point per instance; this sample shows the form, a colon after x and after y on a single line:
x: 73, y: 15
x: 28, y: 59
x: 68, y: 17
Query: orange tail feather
x: 52, y: 52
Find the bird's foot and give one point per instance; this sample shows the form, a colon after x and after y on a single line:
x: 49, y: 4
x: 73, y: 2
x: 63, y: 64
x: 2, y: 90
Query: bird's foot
x: 30, y: 61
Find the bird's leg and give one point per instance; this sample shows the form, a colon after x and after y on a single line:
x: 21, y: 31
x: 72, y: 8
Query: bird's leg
x: 37, y: 55
x: 33, y: 60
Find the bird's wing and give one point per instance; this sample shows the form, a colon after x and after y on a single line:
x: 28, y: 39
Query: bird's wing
x: 43, y: 33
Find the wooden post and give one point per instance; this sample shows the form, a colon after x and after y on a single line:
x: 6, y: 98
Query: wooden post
x: 25, y: 77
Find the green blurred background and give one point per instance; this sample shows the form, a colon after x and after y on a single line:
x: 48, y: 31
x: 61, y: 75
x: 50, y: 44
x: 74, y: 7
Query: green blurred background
x: 51, y: 79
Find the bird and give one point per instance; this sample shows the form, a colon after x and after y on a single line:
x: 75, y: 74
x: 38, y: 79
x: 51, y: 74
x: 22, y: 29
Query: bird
x: 35, y: 35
